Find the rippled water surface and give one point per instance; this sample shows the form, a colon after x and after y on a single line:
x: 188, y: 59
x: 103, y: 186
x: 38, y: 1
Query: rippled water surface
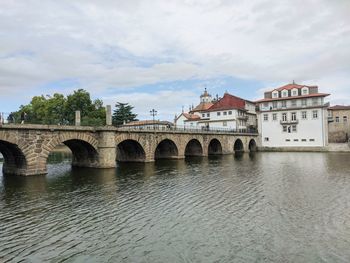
x: 267, y: 207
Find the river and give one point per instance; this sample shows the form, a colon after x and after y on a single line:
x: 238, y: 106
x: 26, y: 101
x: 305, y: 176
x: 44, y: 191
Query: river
x: 266, y: 207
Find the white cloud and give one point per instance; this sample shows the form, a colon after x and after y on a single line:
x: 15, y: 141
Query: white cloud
x: 166, y: 103
x: 126, y: 44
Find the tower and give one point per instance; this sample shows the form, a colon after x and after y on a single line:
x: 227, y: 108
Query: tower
x: 205, y: 97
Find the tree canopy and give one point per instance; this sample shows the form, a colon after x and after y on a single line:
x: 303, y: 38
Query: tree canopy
x: 58, y: 109
x: 123, y: 114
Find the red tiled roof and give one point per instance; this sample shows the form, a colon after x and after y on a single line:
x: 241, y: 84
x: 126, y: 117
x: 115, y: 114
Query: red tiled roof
x: 190, y: 116
x: 228, y: 102
x: 202, y: 106
x: 295, y: 97
x: 293, y: 86
x: 339, y: 107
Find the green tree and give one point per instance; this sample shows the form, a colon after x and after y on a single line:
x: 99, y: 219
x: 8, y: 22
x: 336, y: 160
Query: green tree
x: 96, y: 117
x: 79, y: 100
x: 55, y: 109
x: 58, y: 109
x: 123, y: 114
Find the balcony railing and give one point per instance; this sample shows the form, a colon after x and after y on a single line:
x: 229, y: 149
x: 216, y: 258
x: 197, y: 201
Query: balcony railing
x: 241, y: 117
x: 284, y: 122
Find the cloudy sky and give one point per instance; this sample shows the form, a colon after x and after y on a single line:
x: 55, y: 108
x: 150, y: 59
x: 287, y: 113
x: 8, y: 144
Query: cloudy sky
x: 161, y: 54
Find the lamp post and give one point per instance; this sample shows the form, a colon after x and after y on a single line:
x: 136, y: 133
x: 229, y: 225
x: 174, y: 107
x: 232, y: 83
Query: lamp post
x: 153, y: 113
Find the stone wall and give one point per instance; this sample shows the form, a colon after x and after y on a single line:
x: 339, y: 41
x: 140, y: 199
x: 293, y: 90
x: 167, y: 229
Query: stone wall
x: 339, y: 131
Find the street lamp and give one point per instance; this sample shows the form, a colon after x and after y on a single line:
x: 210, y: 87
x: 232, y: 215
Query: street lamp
x: 153, y: 113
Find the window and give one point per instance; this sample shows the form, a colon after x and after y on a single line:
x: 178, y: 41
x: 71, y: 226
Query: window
x: 294, y: 103
x: 287, y: 140
x: 337, y: 119
x: 303, y: 140
x: 275, y: 95
x: 294, y: 116
x: 312, y: 140
x: 266, y: 105
x: 230, y: 112
x: 284, y: 116
x: 285, y: 128
x: 274, y: 104
x: 294, y: 128
x: 295, y: 93
x: 274, y: 116
x: 315, y: 114
x: 224, y: 123
x: 266, y: 117
x: 296, y: 140
x: 203, y: 115
x: 218, y: 113
x: 304, y: 115
x: 303, y: 102
x: 266, y: 139
x: 208, y: 115
x: 225, y: 112
x: 284, y: 104
x: 305, y: 91
x: 284, y: 93
x: 314, y: 101
x: 345, y: 118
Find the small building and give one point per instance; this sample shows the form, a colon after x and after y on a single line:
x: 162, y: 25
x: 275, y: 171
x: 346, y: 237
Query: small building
x: 293, y: 116
x: 338, y: 124
x: 229, y: 112
x: 187, y: 120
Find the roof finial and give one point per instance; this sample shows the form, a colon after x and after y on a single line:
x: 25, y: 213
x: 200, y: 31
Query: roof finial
x: 293, y: 82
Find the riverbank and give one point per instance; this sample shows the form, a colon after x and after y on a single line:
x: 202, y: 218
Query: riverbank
x: 332, y: 147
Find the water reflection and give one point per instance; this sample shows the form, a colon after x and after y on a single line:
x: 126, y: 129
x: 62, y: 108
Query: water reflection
x: 31, y: 187
x: 274, y: 207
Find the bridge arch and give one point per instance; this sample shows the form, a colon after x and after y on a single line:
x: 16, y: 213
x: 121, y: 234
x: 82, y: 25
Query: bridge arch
x: 252, y: 146
x: 194, y: 148
x: 130, y: 151
x: 15, y: 161
x: 238, y: 146
x: 83, y: 148
x: 215, y: 147
x: 166, y: 149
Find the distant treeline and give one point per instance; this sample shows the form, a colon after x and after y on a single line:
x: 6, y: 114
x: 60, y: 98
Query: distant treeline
x: 60, y: 110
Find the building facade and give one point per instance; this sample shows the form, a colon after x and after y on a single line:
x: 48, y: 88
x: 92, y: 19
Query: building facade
x: 293, y: 116
x: 338, y: 124
x: 229, y: 112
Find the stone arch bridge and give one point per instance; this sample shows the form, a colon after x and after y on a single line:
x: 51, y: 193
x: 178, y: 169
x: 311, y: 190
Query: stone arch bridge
x: 25, y: 148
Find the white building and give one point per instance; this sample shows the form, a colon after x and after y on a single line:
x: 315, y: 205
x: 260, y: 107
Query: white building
x: 293, y: 116
x: 229, y: 112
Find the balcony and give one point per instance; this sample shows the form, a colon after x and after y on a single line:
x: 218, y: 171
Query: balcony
x: 287, y: 122
x: 241, y: 117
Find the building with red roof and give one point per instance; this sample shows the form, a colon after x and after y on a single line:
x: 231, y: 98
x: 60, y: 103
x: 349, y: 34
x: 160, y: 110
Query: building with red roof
x: 228, y: 112
x: 293, y: 116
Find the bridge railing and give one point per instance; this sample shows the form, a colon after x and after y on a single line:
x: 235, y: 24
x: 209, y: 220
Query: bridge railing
x: 186, y: 129
x: 10, y: 118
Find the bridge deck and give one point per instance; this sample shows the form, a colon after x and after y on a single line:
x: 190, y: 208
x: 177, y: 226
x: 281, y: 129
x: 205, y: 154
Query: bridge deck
x: 125, y: 129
